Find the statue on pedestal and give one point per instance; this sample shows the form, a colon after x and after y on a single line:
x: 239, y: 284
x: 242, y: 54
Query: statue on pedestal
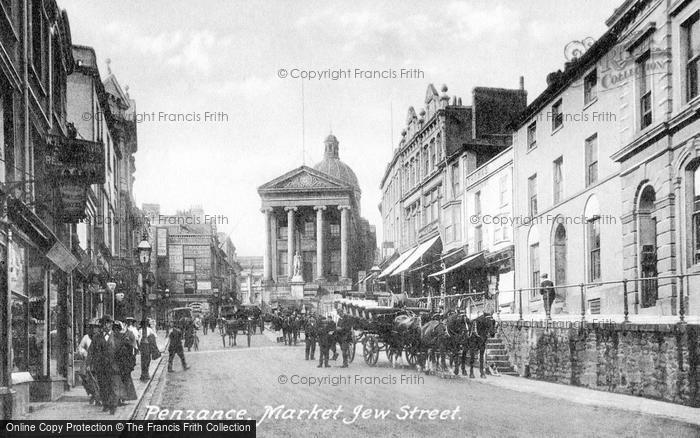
x: 297, y: 276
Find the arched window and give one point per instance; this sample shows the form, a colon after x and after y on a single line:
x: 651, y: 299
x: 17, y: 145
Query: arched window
x: 647, y: 246
x: 593, y: 239
x: 559, y: 251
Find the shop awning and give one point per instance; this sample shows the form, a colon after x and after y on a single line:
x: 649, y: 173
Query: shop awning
x: 396, y: 263
x: 417, y: 254
x: 477, y: 259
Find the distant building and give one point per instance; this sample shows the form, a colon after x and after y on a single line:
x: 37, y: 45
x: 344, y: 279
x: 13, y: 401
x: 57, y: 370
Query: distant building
x: 251, y: 279
x: 191, y: 263
x: 315, y: 213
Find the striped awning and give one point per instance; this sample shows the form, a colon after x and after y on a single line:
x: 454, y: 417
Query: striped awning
x: 396, y: 263
x: 417, y: 254
x: 472, y: 258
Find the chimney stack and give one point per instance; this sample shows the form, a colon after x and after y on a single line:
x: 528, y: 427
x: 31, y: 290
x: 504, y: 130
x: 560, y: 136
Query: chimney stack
x: 522, y: 83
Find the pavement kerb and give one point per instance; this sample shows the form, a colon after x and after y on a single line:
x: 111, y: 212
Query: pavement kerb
x: 150, y: 389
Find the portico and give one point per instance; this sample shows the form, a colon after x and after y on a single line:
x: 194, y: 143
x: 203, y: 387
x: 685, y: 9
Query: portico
x: 316, y: 215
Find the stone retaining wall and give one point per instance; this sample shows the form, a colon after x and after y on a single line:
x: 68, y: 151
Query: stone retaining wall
x: 655, y: 361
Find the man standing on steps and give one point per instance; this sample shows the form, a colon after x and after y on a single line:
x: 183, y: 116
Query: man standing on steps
x: 548, y: 294
x: 175, y: 345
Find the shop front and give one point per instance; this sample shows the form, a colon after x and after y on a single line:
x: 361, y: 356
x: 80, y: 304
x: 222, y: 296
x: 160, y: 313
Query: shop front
x: 39, y: 291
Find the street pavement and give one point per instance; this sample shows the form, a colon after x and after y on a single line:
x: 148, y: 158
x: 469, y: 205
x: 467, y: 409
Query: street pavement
x: 74, y: 404
x: 274, y: 385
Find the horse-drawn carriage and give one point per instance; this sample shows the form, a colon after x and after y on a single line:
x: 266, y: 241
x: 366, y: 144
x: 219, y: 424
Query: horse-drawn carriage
x: 238, y: 318
x: 379, y: 332
x: 425, y: 337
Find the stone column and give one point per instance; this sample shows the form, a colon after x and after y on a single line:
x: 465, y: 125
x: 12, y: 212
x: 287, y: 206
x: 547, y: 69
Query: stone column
x: 344, y: 223
x: 290, y: 240
x: 319, y: 241
x: 267, y: 261
x: 273, y: 248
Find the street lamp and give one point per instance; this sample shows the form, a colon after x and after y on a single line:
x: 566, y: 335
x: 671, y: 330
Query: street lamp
x: 144, y: 251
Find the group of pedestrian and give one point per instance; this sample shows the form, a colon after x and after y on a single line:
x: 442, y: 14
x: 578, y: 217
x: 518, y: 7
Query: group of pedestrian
x: 208, y: 323
x: 328, y: 333
x: 109, y: 350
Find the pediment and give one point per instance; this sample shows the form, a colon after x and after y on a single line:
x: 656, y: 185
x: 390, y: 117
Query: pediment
x: 304, y: 178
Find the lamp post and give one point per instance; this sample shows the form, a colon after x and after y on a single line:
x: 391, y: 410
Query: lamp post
x: 166, y: 303
x: 144, y: 250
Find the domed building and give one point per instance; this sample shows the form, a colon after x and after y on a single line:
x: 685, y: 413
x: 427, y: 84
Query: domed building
x: 314, y: 212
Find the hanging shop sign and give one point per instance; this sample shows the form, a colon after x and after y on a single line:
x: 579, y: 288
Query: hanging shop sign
x: 81, y: 161
x: 62, y: 257
x: 73, y: 198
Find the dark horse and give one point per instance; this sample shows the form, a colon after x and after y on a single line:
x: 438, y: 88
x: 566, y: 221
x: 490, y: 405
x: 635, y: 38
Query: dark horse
x: 433, y: 341
x: 291, y: 325
x: 458, y: 332
x: 482, y: 328
x: 231, y: 327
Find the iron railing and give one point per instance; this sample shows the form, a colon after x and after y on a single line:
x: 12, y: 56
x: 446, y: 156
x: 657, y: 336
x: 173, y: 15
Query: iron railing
x: 518, y: 293
x: 679, y: 280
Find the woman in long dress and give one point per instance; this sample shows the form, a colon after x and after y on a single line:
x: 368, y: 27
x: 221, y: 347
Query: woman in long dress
x: 126, y: 361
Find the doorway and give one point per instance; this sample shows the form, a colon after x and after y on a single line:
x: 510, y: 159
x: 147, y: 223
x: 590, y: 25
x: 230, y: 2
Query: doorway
x: 309, y: 265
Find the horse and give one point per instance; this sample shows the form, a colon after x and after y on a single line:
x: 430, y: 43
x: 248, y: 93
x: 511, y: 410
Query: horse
x: 458, y: 331
x: 406, y: 334
x: 232, y: 326
x: 482, y: 328
x: 287, y: 334
x: 433, y: 342
x: 296, y: 327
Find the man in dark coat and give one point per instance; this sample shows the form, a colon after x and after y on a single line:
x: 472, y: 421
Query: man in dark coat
x: 105, y: 367
x: 175, y: 345
x: 189, y: 330
x: 326, y: 337
x: 344, y: 335
x: 548, y: 294
x: 310, y: 336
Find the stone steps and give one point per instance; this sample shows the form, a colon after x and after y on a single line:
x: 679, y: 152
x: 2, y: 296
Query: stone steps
x: 497, y: 356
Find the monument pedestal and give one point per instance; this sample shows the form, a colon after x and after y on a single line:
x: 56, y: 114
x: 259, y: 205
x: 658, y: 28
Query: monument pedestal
x: 297, y: 287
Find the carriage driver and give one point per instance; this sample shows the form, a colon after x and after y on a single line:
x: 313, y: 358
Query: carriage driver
x: 344, y: 335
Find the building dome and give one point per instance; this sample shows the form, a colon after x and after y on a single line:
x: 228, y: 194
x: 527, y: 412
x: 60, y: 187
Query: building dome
x: 331, y: 164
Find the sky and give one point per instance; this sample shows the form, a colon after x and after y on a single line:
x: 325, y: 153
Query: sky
x: 185, y: 59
